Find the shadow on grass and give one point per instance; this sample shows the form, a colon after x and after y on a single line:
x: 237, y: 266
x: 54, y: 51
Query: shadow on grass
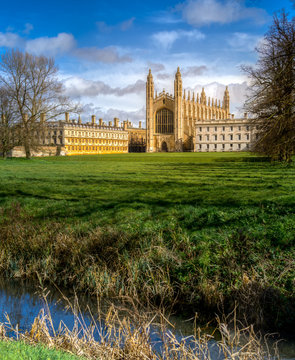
x: 259, y: 159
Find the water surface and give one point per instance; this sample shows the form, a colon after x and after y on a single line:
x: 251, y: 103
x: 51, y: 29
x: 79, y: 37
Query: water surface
x: 22, y: 302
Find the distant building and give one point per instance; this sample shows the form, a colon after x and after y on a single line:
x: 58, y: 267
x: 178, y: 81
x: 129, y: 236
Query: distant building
x: 219, y: 135
x: 176, y: 122
x: 93, y: 138
x: 192, y: 123
x: 136, y: 137
x: 72, y: 137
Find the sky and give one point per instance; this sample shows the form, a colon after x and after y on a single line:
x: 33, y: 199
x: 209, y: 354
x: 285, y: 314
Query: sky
x: 104, y: 48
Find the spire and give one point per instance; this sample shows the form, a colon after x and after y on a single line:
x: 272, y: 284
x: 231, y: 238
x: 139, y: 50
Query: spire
x: 209, y: 101
x: 184, y: 94
x: 150, y: 85
x: 150, y: 76
x: 225, y: 105
x: 178, y: 75
x: 193, y: 96
x: 79, y: 120
x: 203, y: 97
x: 178, y: 84
x: 198, y: 99
x: 189, y: 95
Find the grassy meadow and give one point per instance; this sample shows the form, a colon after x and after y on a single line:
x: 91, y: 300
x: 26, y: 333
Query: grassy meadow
x: 15, y: 350
x: 194, y: 232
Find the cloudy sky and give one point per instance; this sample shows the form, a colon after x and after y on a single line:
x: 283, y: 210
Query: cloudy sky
x: 104, y: 48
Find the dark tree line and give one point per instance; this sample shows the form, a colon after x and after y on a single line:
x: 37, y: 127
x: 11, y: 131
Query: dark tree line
x: 30, y: 95
x: 272, y: 97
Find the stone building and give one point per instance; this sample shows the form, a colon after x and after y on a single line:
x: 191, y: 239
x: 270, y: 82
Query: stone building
x: 219, y: 135
x: 180, y: 122
x: 171, y: 118
x: 136, y: 137
x: 93, y: 138
x: 72, y: 137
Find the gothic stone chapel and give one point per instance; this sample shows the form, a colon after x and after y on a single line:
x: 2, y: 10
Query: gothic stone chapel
x: 171, y: 119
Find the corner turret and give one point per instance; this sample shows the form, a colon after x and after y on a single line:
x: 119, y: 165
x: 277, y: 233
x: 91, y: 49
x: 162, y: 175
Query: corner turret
x: 225, y: 104
x: 203, y: 97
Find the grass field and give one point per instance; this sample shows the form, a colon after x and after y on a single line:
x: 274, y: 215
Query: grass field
x: 16, y: 350
x: 193, y: 230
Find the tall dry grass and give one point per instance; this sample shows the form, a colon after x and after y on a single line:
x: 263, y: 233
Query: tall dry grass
x: 112, y: 336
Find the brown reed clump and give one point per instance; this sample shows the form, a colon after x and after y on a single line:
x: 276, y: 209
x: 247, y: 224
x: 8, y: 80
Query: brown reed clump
x: 129, y: 337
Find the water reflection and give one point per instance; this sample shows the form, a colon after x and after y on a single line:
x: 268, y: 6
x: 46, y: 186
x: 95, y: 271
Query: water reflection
x: 22, y: 301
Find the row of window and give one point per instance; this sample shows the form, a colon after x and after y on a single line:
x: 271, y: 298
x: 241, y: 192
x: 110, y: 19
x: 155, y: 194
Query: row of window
x: 92, y: 141
x: 222, y: 137
x: 96, y: 148
x: 223, y: 146
x: 96, y: 134
x: 230, y: 128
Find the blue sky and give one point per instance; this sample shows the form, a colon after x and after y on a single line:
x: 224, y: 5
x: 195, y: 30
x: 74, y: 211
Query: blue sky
x: 104, y: 48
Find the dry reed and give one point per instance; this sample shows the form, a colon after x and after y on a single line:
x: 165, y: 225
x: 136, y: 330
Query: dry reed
x: 130, y: 337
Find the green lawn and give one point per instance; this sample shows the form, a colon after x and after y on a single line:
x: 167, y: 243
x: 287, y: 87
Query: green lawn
x: 119, y: 188
x: 196, y: 230
x: 16, y: 350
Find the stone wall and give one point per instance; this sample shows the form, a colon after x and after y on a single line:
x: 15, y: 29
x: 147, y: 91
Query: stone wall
x: 19, y: 151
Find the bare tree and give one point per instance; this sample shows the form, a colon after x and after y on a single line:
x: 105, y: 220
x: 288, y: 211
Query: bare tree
x: 8, y: 129
x: 34, y: 89
x: 272, y: 97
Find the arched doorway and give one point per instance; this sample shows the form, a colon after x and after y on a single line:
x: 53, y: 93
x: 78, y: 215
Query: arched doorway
x: 164, y: 147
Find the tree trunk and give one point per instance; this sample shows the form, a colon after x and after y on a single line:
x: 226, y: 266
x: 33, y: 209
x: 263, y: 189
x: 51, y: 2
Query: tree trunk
x: 27, y: 150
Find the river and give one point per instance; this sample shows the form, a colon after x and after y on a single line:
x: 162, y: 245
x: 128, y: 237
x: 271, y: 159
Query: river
x: 22, y: 302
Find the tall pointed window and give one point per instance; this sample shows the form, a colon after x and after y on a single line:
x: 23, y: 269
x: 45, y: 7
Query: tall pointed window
x: 164, y: 122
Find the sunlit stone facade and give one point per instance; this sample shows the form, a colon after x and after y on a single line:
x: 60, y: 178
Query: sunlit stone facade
x: 218, y: 135
x: 72, y: 137
x: 92, y: 138
x: 174, y: 121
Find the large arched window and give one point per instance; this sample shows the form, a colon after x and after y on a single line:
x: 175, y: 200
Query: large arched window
x: 164, y: 121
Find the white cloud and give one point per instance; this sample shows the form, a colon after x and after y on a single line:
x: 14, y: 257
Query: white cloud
x: 156, y: 67
x: 164, y: 76
x: 165, y: 17
x: 244, y: 42
x: 104, y: 27
x: 107, y: 55
x: 78, y: 87
x: 165, y: 39
x: 205, y: 12
x: 108, y: 115
x: 28, y: 28
x: 126, y: 25
x: 61, y: 44
x: 195, y: 70
x: 10, y: 40
x: 123, y: 26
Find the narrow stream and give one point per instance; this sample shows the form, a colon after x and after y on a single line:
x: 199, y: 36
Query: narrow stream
x: 22, y: 302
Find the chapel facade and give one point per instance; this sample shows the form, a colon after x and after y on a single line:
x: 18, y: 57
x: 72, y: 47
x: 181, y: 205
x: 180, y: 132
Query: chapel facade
x: 171, y: 120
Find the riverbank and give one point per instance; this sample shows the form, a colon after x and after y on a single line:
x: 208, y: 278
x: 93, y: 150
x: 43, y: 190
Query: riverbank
x: 111, y: 336
x: 15, y: 350
x: 189, y: 232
